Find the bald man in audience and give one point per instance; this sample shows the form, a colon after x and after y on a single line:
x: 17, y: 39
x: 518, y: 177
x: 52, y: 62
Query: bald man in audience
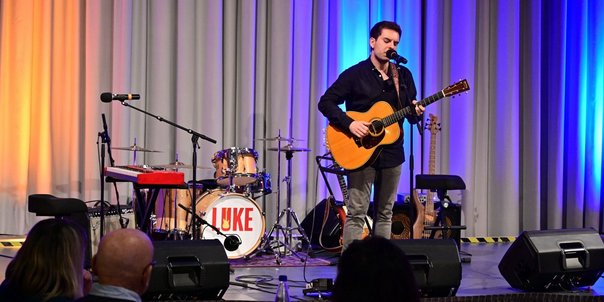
x: 123, y: 266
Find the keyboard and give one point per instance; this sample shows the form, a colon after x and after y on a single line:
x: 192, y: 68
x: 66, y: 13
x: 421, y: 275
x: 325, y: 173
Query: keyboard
x: 145, y: 175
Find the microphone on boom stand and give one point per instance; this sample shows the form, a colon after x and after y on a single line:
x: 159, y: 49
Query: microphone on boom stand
x: 231, y: 242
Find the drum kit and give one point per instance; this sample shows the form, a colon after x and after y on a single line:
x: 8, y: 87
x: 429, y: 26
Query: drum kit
x: 226, y: 208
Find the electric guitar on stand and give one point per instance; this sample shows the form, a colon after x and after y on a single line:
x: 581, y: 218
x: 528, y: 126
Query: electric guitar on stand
x: 352, y: 153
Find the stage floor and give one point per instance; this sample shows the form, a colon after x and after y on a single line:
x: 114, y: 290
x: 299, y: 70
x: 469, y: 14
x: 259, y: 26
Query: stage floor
x: 480, y: 276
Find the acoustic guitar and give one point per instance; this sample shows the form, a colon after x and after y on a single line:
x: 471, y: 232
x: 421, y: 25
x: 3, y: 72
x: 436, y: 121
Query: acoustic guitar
x: 351, y: 152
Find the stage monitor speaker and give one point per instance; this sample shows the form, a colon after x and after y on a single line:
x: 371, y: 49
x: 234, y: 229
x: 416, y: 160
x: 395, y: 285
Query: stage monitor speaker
x: 436, y: 265
x: 554, y: 260
x: 189, y: 269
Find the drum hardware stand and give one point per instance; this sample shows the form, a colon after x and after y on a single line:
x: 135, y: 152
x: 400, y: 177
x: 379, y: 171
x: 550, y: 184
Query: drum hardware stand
x: 277, y: 228
x: 195, y: 136
x: 174, y: 233
x: 265, y: 244
x: 291, y: 214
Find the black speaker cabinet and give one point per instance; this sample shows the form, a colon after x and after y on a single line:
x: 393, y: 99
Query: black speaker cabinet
x: 436, y: 265
x: 189, y: 269
x: 554, y: 260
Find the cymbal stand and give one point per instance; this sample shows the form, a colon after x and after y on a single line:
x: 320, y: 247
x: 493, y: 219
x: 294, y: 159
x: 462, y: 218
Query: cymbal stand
x: 267, y: 245
x: 286, y: 230
x: 175, y: 233
x: 291, y: 214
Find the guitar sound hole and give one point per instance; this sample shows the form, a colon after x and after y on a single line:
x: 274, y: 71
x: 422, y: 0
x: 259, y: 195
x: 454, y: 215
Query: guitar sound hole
x: 376, y: 127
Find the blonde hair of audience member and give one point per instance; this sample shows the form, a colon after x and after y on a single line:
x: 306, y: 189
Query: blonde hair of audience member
x: 124, y: 259
x: 50, y: 263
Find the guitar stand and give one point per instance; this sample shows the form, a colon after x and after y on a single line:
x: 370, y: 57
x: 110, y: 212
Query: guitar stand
x: 334, y: 169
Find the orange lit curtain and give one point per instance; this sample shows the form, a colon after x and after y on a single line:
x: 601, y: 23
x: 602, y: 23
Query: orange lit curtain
x: 40, y: 92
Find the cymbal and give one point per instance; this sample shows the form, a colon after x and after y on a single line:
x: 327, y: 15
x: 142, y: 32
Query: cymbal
x: 134, y: 148
x: 279, y: 138
x: 290, y: 148
x: 179, y: 165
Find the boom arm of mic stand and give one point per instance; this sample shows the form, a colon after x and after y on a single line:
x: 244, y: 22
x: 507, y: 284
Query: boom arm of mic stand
x: 194, y: 137
x: 161, y: 119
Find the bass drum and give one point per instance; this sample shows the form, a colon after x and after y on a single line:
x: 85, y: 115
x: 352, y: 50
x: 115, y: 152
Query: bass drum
x: 233, y: 214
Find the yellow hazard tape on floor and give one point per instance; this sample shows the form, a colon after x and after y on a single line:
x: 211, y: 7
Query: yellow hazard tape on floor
x: 488, y: 239
x: 11, y: 242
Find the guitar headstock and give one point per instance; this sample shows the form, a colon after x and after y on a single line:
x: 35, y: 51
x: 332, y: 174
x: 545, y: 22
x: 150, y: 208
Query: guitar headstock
x: 432, y: 124
x: 456, y: 88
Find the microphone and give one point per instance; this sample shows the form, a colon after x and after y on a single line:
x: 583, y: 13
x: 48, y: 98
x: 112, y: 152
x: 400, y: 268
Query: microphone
x: 107, y: 97
x: 231, y: 243
x: 392, y: 55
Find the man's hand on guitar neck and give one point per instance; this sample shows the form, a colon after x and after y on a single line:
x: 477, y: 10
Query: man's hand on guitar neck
x: 359, y: 129
x: 419, y: 110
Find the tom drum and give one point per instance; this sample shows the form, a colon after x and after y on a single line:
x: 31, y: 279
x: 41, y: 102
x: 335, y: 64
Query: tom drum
x: 236, y: 164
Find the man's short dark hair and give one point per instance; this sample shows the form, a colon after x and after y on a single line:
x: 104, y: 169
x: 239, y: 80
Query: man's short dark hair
x: 376, y: 30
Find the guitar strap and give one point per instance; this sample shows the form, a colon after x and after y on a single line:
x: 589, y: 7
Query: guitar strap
x: 395, y: 78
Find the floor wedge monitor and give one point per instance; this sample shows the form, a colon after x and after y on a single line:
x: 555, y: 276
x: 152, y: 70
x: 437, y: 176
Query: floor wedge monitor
x: 435, y: 263
x: 554, y: 260
x: 189, y: 269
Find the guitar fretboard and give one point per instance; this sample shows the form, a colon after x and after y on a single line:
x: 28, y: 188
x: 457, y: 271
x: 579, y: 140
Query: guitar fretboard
x: 399, y: 115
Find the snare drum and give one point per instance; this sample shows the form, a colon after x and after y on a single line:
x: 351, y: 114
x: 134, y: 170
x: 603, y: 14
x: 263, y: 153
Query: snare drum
x: 236, y: 163
x: 233, y: 214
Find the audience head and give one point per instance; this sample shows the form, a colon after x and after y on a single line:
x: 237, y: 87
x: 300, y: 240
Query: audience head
x: 50, y: 262
x: 125, y: 259
x: 374, y: 269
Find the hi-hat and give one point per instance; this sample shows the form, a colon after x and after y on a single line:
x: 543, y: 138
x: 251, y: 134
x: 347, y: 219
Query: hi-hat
x: 290, y: 148
x: 134, y: 148
x: 179, y: 165
x: 279, y: 138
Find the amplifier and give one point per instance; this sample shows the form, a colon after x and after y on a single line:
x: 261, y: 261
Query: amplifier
x: 112, y: 222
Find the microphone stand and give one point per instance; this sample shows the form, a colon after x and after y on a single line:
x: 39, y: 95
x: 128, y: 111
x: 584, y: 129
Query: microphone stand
x: 107, y: 138
x: 102, y: 216
x: 195, y: 136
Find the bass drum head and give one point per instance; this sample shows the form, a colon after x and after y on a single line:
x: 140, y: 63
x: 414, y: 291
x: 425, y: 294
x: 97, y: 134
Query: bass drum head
x: 233, y: 214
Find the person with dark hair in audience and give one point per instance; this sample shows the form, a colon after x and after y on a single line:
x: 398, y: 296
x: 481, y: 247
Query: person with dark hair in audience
x: 49, y: 266
x: 374, y: 269
x: 123, y: 265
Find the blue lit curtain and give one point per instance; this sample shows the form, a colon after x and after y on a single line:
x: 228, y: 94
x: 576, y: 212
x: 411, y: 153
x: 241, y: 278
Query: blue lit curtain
x: 526, y: 139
